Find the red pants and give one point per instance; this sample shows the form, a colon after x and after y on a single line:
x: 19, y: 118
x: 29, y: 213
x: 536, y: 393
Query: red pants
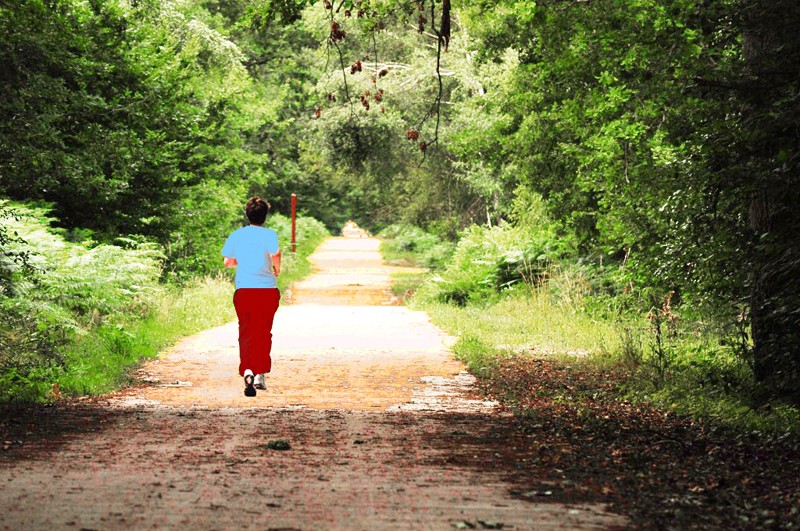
x: 255, y: 308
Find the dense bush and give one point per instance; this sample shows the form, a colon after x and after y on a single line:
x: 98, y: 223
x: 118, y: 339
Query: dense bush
x: 117, y: 107
x: 62, y: 291
x: 489, y: 260
x: 413, y: 244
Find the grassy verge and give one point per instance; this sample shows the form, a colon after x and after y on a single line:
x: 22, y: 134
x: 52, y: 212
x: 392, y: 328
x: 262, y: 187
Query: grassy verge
x: 525, y: 330
x: 102, y: 360
x: 521, y: 325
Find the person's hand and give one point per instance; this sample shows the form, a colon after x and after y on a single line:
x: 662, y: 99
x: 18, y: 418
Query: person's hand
x: 276, y: 263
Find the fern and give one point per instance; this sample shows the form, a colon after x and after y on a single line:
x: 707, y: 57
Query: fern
x: 61, y: 291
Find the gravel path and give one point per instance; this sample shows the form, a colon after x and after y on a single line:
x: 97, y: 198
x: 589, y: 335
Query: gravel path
x: 383, y: 427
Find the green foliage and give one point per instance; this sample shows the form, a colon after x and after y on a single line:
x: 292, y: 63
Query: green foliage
x: 207, y: 212
x: 489, y: 260
x: 86, y: 281
x: 701, y: 375
x: 67, y: 290
x: 406, y: 283
x: 373, y: 122
x: 472, y: 275
x: 30, y: 351
x: 111, y: 110
x: 135, y: 119
x: 11, y: 256
x: 707, y: 380
x: 414, y: 245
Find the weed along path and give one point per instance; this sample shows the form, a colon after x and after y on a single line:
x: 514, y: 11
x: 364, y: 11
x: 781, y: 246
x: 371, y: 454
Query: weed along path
x: 367, y: 423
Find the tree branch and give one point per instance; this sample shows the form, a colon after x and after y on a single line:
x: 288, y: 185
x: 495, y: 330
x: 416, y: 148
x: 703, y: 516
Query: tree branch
x: 744, y: 86
x: 333, y: 41
x: 437, y: 103
x: 344, y: 76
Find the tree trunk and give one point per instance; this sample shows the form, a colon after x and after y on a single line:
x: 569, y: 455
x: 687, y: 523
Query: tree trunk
x: 771, y: 119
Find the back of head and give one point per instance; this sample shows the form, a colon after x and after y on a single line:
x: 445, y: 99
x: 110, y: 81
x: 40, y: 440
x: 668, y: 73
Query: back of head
x: 256, y: 210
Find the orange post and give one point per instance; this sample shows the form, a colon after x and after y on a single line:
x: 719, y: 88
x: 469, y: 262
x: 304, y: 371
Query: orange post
x: 294, y: 221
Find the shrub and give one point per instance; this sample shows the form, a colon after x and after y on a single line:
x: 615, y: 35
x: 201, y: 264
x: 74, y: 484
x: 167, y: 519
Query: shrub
x: 62, y: 291
x: 487, y: 261
x: 413, y: 244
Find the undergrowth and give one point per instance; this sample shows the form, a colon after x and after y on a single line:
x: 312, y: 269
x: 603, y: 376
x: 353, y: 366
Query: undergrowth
x: 518, y: 292
x: 407, y: 244
x: 101, y: 361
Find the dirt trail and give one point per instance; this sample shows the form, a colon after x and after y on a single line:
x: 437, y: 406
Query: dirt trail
x: 385, y: 428
x: 340, y: 342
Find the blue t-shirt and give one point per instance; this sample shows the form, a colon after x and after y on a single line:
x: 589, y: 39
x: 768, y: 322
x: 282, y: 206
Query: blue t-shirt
x: 252, y: 247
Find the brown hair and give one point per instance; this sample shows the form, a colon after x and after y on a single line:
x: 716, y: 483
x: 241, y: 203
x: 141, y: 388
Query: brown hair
x: 256, y: 210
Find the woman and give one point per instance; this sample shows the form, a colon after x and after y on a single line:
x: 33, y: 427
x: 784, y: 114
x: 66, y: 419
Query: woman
x: 256, y: 255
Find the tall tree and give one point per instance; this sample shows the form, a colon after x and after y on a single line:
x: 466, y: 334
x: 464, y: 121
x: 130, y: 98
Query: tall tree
x: 769, y: 171
x: 110, y: 111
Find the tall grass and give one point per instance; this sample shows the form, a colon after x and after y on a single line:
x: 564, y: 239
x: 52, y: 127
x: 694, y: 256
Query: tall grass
x: 100, y: 361
x: 527, y: 324
x: 521, y: 326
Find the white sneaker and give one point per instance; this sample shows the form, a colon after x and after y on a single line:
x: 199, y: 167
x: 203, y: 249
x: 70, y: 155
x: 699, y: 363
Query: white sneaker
x: 249, y: 389
x: 261, y: 381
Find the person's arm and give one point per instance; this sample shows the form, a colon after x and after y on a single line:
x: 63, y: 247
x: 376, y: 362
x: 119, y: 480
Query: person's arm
x: 228, y: 251
x: 276, y: 262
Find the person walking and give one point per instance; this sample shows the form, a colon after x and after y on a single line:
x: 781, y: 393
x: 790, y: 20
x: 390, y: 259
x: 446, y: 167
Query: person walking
x: 255, y: 253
